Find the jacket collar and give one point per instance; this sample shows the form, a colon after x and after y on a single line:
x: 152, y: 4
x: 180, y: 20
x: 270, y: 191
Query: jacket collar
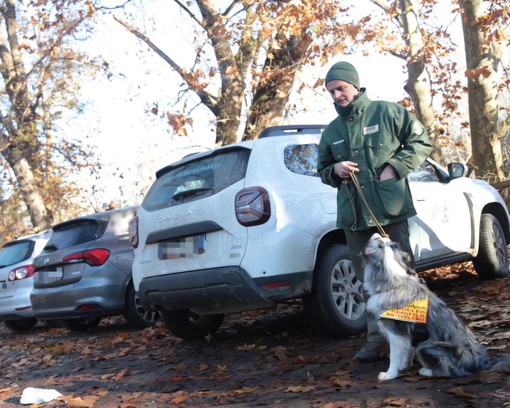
x: 358, y: 105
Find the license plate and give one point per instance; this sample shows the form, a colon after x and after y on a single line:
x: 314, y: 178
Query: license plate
x: 181, y: 248
x: 56, y: 274
x: 3, y: 285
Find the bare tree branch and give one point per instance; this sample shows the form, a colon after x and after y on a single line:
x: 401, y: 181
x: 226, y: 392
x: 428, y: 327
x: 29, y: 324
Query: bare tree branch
x: 204, y: 96
x: 188, y: 11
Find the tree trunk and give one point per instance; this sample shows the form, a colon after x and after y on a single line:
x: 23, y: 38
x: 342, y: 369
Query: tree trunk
x: 30, y: 194
x: 272, y: 93
x: 418, y: 83
x: 481, y: 62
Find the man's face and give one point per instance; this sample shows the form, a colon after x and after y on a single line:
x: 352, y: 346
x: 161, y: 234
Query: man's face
x: 343, y: 93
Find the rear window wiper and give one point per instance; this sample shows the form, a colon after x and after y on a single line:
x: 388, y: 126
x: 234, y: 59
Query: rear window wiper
x: 188, y: 193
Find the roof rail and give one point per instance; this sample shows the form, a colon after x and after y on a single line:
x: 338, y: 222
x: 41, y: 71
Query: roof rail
x: 290, y: 129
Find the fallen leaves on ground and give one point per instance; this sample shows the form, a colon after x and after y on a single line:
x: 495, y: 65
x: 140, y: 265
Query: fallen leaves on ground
x: 264, y: 358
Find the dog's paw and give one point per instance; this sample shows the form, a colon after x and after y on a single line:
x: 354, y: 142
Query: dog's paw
x: 426, y: 372
x: 385, y: 376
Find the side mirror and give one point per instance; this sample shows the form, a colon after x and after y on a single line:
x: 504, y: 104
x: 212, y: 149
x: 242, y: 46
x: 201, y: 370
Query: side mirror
x: 456, y: 170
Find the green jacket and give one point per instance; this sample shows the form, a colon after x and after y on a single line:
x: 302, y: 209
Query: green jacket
x: 376, y: 133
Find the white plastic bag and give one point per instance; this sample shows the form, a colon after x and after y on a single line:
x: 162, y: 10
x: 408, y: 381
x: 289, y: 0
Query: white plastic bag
x: 32, y: 395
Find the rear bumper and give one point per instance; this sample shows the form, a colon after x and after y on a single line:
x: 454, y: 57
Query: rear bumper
x: 220, y: 290
x: 16, y: 315
x: 92, y: 298
x: 16, y: 305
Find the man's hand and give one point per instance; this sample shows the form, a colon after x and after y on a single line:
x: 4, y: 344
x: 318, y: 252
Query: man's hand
x: 388, y: 173
x: 345, y: 168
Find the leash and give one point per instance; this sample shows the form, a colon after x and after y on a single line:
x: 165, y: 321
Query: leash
x: 360, y: 192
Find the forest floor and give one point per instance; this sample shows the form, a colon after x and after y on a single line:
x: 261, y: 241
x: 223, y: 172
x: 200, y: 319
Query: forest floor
x: 257, y: 359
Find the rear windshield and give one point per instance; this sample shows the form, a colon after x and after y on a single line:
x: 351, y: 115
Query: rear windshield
x: 197, y: 179
x: 16, y: 252
x: 76, y: 233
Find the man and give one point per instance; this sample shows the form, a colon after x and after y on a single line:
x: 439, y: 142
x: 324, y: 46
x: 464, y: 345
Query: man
x: 381, y: 143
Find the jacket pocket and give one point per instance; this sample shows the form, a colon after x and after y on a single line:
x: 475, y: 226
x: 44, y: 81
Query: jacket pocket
x: 394, y: 196
x: 379, y: 148
x: 340, y: 150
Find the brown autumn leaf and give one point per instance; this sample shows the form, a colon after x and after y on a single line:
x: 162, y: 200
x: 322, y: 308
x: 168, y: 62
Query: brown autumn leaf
x: 246, y: 347
x: 394, y: 402
x: 280, y: 352
x: 81, y: 402
x: 219, y: 377
x: 63, y: 347
x: 120, y: 375
x: 245, y: 390
x: 300, y: 388
x: 179, y: 397
x: 341, y: 382
x: 178, y: 378
x: 462, y: 393
x: 177, y: 122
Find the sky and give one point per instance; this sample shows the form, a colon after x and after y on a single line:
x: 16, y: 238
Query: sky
x: 133, y: 144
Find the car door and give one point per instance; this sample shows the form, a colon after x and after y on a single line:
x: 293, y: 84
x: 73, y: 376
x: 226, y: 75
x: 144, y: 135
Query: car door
x: 443, y: 225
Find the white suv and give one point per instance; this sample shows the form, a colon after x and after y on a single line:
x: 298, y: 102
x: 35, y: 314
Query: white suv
x: 249, y: 225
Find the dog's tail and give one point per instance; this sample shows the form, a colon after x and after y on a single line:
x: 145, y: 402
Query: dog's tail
x: 502, y: 365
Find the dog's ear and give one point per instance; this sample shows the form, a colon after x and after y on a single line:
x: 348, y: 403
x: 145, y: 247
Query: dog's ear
x: 407, y: 261
x: 395, y: 246
x: 403, y: 258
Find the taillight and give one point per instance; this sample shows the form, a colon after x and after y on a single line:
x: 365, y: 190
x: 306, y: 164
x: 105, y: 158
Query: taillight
x: 252, y: 206
x: 94, y: 257
x: 133, y: 232
x: 21, y: 272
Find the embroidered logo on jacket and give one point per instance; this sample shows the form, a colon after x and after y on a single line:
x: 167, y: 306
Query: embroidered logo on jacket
x: 370, y: 129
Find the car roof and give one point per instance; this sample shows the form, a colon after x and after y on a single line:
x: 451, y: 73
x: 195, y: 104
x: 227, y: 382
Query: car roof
x: 288, y: 130
x: 31, y: 237
x: 99, y: 216
x: 272, y: 131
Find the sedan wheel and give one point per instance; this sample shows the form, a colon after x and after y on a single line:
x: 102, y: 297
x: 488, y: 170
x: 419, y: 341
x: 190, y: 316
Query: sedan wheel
x: 82, y: 324
x: 21, y: 325
x: 135, y: 314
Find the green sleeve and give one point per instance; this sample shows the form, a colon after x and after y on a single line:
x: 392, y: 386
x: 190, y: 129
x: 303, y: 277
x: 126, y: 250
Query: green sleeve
x: 416, y: 145
x: 326, y: 163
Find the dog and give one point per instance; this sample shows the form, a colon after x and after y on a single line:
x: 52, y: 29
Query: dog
x: 447, y: 348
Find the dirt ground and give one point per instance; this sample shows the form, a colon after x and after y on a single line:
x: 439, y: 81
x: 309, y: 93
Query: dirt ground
x: 257, y: 359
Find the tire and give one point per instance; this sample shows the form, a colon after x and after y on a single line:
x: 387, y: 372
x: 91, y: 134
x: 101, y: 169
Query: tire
x: 136, y: 315
x: 336, y: 306
x: 492, y: 259
x: 21, y: 325
x: 191, y: 326
x: 81, y: 324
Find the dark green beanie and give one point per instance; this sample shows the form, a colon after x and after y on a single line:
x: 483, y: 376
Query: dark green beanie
x: 343, y: 71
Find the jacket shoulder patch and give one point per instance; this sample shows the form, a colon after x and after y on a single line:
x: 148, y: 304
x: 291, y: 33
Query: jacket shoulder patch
x: 418, y: 128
